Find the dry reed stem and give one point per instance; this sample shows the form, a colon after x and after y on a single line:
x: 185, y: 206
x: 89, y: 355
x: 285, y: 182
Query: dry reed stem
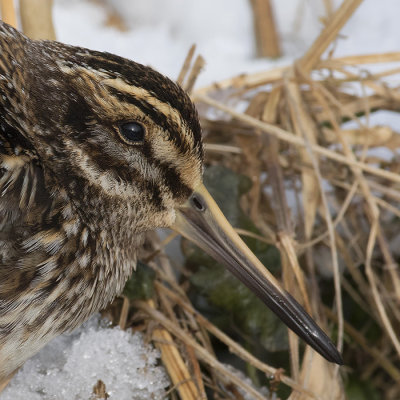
x: 253, y: 235
x: 233, y: 346
x: 285, y: 231
x: 248, y: 81
x: 186, y: 65
x: 331, y: 230
x: 201, y: 352
x: 304, y: 128
x: 266, y: 34
x: 289, y: 138
x: 284, y: 225
x: 329, y: 33
x: 370, y: 199
x: 377, y: 58
x: 196, y: 371
x: 328, y: 8
x: 319, y: 376
x: 290, y: 285
x: 371, y: 137
x: 354, y: 179
x: 124, y: 313
x: 173, y: 362
x: 375, y: 293
x: 37, y: 19
x: 244, y: 81
x: 303, y: 123
x: 346, y: 203
x: 194, y: 73
x: 222, y: 148
x: 189, y: 73
x: 8, y: 13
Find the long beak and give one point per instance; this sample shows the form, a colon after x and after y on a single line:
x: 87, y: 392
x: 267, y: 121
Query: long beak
x: 201, y: 221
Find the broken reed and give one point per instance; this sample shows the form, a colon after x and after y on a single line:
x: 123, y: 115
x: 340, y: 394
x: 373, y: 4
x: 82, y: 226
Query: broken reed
x: 344, y: 223
x: 346, y: 202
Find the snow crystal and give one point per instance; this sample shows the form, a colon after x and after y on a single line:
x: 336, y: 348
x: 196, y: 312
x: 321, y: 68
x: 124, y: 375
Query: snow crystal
x: 69, y: 367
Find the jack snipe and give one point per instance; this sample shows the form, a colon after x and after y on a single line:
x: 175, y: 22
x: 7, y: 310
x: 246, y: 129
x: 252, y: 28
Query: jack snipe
x: 94, y: 151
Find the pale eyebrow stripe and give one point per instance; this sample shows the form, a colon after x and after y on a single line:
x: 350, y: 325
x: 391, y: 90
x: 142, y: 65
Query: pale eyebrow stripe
x: 139, y: 93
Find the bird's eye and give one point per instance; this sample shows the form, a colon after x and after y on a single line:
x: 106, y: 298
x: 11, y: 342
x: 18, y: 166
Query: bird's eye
x: 132, y: 132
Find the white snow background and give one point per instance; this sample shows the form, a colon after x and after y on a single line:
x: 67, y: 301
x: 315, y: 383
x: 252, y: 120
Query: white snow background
x: 159, y: 34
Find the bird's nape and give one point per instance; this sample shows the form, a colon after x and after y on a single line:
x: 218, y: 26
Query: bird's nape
x: 201, y: 221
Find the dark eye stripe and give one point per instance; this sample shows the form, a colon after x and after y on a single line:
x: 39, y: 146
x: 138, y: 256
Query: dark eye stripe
x: 157, y: 117
x: 171, y: 176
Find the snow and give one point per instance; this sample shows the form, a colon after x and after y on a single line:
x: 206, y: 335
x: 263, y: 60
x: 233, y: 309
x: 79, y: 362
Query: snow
x: 71, y: 365
x: 159, y: 34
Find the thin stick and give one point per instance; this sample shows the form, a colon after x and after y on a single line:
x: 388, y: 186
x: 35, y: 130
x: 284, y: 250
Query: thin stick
x: 247, y: 81
x: 338, y: 219
x: 303, y: 122
x: 186, y: 65
x: 223, y: 148
x: 370, y: 199
x: 201, y: 352
x: 335, y: 24
x: 290, y: 138
x: 173, y: 362
x: 233, y: 346
x: 194, y: 73
x: 375, y: 293
x: 124, y: 313
x: 361, y: 59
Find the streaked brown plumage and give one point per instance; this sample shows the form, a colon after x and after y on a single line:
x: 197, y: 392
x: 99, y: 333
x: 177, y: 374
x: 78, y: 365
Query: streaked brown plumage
x: 76, y: 195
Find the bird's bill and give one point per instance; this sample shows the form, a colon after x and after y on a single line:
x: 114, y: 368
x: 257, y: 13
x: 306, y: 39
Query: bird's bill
x: 201, y: 221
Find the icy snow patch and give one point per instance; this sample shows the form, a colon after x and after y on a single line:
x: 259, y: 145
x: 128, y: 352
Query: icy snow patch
x: 69, y: 367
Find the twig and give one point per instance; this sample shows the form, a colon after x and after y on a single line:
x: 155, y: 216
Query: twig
x: 194, y: 73
x: 288, y: 137
x: 335, y: 24
x: 233, y: 346
x: 124, y: 313
x: 186, y: 65
x: 267, y: 38
x: 173, y: 361
x: 201, y: 352
x: 375, y: 293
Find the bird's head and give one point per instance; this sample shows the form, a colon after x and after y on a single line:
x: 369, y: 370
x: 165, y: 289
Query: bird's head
x: 101, y: 121
x: 116, y: 126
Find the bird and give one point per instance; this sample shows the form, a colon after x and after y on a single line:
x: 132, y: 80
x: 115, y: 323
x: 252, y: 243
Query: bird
x: 95, y: 151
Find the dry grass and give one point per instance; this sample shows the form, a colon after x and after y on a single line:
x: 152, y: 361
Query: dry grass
x: 345, y: 224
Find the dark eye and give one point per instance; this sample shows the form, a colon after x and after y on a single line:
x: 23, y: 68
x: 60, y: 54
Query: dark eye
x: 132, y: 132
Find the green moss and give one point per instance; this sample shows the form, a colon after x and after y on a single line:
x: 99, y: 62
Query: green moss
x: 140, y: 285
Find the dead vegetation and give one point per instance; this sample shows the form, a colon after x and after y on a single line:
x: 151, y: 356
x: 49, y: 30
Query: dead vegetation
x: 322, y: 196
x: 342, y: 224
